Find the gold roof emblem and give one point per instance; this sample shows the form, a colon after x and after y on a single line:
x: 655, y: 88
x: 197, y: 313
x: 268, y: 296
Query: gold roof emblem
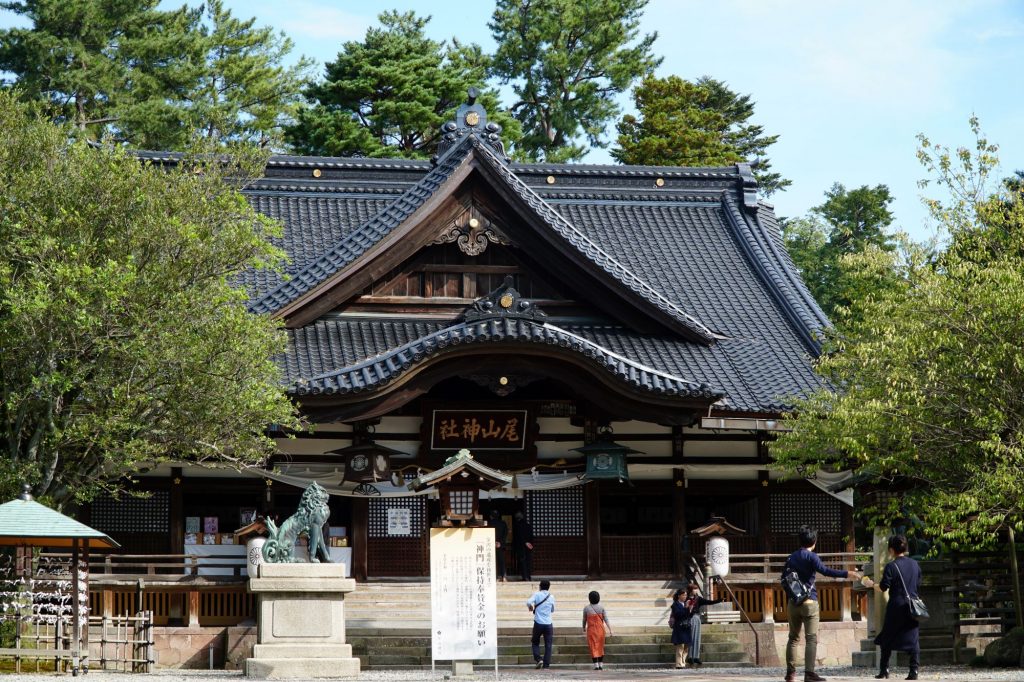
x: 472, y: 118
x: 506, y: 301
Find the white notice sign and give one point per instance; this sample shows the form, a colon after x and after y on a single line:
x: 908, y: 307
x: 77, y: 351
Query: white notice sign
x: 399, y: 521
x: 463, y: 594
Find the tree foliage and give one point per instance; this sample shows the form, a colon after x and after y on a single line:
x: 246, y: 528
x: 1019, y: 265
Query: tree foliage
x: 844, y: 248
x: 122, y: 336
x: 929, y: 376
x: 148, y: 77
x: 567, y: 61
x: 702, y: 123
x: 389, y: 94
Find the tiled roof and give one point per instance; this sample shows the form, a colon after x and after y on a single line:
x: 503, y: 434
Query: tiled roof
x: 347, y: 355
x: 390, y: 362
x: 693, y: 243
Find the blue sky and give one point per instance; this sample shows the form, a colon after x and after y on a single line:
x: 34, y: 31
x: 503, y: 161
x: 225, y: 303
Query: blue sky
x: 847, y: 85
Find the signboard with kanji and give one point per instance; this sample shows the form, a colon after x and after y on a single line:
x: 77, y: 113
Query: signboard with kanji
x: 479, y: 430
x: 463, y: 594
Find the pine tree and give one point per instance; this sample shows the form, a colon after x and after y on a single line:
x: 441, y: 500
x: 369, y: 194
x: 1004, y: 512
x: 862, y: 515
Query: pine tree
x: 99, y: 64
x: 151, y: 78
x: 702, y: 123
x: 567, y: 61
x: 389, y: 94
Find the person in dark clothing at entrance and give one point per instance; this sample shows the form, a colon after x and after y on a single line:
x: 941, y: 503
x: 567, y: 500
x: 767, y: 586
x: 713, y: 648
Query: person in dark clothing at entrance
x: 500, y: 542
x: 522, y: 542
x: 902, y: 579
x: 806, y: 616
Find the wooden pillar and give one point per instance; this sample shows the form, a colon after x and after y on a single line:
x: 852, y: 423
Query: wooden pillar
x: 846, y: 602
x: 177, y: 512
x: 592, y: 518
x: 769, y: 603
x: 193, y: 608
x: 360, y: 537
x: 678, y: 521
x: 764, y: 510
x: 848, y: 531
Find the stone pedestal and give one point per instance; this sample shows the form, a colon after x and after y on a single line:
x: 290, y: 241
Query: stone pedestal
x: 301, y: 622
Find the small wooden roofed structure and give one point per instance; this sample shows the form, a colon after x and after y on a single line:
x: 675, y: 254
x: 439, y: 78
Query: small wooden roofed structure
x: 717, y: 525
x: 26, y: 523
x: 459, y: 482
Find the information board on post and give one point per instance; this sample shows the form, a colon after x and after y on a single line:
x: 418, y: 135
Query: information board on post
x: 463, y: 594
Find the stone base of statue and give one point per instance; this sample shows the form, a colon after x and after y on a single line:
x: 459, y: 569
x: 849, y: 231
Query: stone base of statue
x: 301, y: 622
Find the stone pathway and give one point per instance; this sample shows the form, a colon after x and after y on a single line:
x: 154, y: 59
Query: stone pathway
x: 944, y: 674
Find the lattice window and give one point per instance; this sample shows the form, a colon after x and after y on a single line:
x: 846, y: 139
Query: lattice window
x: 462, y: 502
x: 132, y: 514
x: 417, y: 507
x: 556, y: 513
x: 789, y: 511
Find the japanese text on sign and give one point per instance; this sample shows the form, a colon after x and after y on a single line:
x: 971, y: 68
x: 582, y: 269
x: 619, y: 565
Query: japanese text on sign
x: 463, y: 595
x: 479, y: 429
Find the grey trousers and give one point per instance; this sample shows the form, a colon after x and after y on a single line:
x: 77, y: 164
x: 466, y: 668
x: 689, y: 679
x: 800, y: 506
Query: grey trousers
x: 695, y: 636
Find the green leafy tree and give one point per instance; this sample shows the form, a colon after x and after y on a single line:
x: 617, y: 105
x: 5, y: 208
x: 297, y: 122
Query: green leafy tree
x: 123, y: 337
x: 152, y: 78
x: 567, y: 61
x: 844, y: 248
x: 242, y: 90
x: 95, y: 63
x: 389, y: 94
x: 929, y: 376
x: 702, y: 123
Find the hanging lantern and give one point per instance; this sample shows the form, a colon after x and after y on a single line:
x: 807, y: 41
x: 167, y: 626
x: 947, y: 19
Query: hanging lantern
x: 367, y: 462
x: 606, y: 459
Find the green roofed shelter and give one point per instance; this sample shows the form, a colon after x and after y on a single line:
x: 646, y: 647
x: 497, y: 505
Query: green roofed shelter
x: 25, y: 522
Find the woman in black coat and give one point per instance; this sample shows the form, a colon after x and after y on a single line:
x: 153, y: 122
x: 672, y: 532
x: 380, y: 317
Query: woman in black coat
x: 900, y: 631
x: 686, y: 623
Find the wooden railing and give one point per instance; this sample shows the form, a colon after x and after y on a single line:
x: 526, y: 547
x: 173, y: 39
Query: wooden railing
x: 754, y: 579
x: 176, y: 588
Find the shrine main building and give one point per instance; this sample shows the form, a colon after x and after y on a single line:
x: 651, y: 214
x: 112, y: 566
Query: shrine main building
x: 620, y: 340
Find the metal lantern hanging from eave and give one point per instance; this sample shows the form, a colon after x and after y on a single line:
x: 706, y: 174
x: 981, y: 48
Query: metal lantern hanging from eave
x: 367, y: 462
x: 606, y: 459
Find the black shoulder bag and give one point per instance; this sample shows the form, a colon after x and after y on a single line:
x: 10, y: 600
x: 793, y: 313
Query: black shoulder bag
x: 918, y: 611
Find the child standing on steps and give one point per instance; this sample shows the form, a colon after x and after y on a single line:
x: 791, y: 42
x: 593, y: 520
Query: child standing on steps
x: 595, y: 620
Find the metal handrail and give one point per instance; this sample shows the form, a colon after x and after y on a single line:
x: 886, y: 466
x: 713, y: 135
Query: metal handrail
x: 743, y: 612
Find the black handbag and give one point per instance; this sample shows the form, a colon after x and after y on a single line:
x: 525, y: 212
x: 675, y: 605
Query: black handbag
x: 918, y: 611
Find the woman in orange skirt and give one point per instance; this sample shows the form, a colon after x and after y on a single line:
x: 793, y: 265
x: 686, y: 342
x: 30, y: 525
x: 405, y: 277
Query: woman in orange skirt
x: 595, y: 619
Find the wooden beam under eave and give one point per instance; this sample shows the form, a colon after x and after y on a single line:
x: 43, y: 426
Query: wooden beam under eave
x: 398, y: 245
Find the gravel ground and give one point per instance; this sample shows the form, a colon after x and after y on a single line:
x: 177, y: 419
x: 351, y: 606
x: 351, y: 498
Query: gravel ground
x: 952, y: 674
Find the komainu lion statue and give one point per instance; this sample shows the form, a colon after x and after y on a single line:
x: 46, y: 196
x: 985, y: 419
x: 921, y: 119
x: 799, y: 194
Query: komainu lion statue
x: 310, y: 518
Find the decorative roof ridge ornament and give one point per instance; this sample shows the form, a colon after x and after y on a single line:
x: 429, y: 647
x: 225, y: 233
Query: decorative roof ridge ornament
x: 748, y: 185
x: 504, y: 302
x: 471, y: 119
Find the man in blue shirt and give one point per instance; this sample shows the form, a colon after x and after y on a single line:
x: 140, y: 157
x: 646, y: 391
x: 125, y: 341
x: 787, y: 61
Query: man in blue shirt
x: 542, y: 604
x: 806, y: 615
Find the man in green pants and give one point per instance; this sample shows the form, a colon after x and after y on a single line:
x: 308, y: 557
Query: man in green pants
x: 806, y: 615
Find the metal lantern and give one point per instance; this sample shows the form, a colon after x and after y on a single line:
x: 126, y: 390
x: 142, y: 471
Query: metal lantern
x: 606, y: 459
x: 367, y: 462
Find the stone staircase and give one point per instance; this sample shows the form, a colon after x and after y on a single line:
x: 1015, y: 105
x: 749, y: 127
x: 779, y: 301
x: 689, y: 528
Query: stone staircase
x: 388, y: 625
x: 936, y: 649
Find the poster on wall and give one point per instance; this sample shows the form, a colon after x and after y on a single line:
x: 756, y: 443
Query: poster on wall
x: 399, y: 521
x: 463, y: 594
